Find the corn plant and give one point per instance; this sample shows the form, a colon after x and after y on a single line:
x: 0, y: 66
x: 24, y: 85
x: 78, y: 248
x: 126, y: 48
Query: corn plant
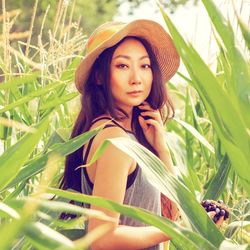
x: 207, y: 144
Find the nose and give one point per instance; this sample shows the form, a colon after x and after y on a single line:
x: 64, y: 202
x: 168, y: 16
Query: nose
x: 135, y: 77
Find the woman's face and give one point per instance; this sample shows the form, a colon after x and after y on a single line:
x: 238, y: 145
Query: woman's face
x: 130, y: 74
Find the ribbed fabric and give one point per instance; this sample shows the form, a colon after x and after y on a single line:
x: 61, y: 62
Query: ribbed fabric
x: 140, y: 194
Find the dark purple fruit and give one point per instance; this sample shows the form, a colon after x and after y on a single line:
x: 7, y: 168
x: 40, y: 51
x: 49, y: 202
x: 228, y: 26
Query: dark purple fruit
x: 206, y: 203
x: 218, y: 206
x: 226, y: 215
x: 212, y: 207
x: 222, y: 212
x: 217, y: 210
x: 216, y: 218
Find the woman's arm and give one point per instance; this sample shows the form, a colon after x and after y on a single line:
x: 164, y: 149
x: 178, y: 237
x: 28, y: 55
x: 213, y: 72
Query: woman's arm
x: 110, y: 182
x: 154, y: 132
x: 165, y: 156
x: 130, y: 238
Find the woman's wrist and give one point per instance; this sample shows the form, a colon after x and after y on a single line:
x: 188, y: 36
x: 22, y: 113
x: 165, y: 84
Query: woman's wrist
x: 165, y: 156
x: 164, y: 150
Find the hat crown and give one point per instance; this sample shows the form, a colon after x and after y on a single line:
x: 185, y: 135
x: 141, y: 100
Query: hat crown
x: 102, y: 33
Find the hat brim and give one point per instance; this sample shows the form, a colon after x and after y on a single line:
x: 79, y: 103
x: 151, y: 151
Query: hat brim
x: 160, y: 41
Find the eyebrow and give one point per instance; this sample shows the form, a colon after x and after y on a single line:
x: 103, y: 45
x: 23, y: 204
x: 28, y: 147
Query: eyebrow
x: 128, y: 57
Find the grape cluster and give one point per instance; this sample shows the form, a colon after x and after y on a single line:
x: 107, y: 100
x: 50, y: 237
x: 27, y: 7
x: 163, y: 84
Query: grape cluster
x: 218, y: 206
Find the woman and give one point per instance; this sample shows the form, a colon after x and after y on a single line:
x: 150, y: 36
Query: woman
x: 121, y: 80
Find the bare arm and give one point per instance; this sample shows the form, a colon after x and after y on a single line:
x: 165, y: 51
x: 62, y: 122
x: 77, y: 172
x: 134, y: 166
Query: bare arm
x: 131, y: 238
x: 110, y: 182
x: 165, y: 157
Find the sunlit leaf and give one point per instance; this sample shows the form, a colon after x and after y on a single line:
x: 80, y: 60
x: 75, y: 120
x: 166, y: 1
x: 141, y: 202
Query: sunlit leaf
x: 13, y: 158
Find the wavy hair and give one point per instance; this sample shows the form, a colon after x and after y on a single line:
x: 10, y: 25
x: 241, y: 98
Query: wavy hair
x: 97, y: 100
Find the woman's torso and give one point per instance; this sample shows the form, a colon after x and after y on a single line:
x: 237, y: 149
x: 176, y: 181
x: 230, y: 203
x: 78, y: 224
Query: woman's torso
x: 139, y: 191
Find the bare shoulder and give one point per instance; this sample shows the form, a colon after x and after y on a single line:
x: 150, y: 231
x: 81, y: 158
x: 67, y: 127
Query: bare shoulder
x: 109, y: 132
x: 111, y: 157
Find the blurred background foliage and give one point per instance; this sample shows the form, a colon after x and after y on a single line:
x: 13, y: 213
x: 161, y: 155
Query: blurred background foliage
x: 89, y: 14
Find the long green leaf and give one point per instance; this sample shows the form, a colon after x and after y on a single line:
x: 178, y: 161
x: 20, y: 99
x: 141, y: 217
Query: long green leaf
x: 14, y: 82
x: 180, y: 236
x: 218, y: 183
x: 13, y: 228
x: 221, y: 108
x: 171, y: 187
x: 57, y: 101
x: 168, y: 185
x: 56, y: 206
x: 239, y: 86
x: 196, y: 134
x: 37, y: 164
x: 32, y: 95
x: 39, y: 233
x: 13, y: 158
x: 245, y: 32
x: 228, y: 245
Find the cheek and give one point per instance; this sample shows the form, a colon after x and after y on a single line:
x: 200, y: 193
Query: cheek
x: 117, y: 80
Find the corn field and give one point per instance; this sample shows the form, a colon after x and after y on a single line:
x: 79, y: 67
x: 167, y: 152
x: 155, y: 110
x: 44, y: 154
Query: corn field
x: 209, y: 140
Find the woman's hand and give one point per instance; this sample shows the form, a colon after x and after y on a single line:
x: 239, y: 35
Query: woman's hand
x: 217, y: 211
x: 152, y: 126
x: 219, y: 222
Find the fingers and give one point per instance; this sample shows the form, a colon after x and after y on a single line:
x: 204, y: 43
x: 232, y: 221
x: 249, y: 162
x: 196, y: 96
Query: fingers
x: 145, y: 107
x: 143, y: 123
x: 148, y: 113
x: 211, y: 214
x: 218, y: 222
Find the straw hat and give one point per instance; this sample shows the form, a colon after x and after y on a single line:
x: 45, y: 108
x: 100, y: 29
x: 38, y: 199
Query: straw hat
x: 109, y: 34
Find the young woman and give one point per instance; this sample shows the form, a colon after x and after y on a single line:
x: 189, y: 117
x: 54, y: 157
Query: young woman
x: 122, y: 82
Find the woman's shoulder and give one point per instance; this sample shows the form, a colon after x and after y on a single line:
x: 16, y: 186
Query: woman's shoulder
x: 111, y: 128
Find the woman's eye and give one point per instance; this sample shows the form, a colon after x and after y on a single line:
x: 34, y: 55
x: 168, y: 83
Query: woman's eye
x: 121, y: 66
x: 146, y: 66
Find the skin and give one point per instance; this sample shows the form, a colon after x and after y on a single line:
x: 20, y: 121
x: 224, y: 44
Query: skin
x: 130, y: 70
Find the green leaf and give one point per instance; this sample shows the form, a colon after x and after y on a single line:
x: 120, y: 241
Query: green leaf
x: 181, y: 237
x: 39, y: 233
x: 32, y: 95
x: 57, y: 101
x: 196, y: 134
x: 15, y: 156
x: 15, y: 81
x: 171, y: 187
x: 218, y: 183
x: 54, y: 207
x: 229, y: 245
x: 235, y: 226
x: 220, y: 106
x: 238, y: 87
x: 37, y: 164
x: 5, y: 209
x: 245, y: 32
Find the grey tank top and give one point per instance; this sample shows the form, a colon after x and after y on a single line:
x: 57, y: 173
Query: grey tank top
x: 139, y: 192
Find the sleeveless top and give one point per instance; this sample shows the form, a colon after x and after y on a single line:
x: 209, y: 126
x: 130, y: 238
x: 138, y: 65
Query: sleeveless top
x: 139, y: 192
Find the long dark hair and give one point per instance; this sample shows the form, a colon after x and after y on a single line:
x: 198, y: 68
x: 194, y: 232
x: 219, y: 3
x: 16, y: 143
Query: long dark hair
x: 97, y: 100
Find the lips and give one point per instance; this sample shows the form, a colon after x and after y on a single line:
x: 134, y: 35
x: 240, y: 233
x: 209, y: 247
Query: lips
x: 135, y: 92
